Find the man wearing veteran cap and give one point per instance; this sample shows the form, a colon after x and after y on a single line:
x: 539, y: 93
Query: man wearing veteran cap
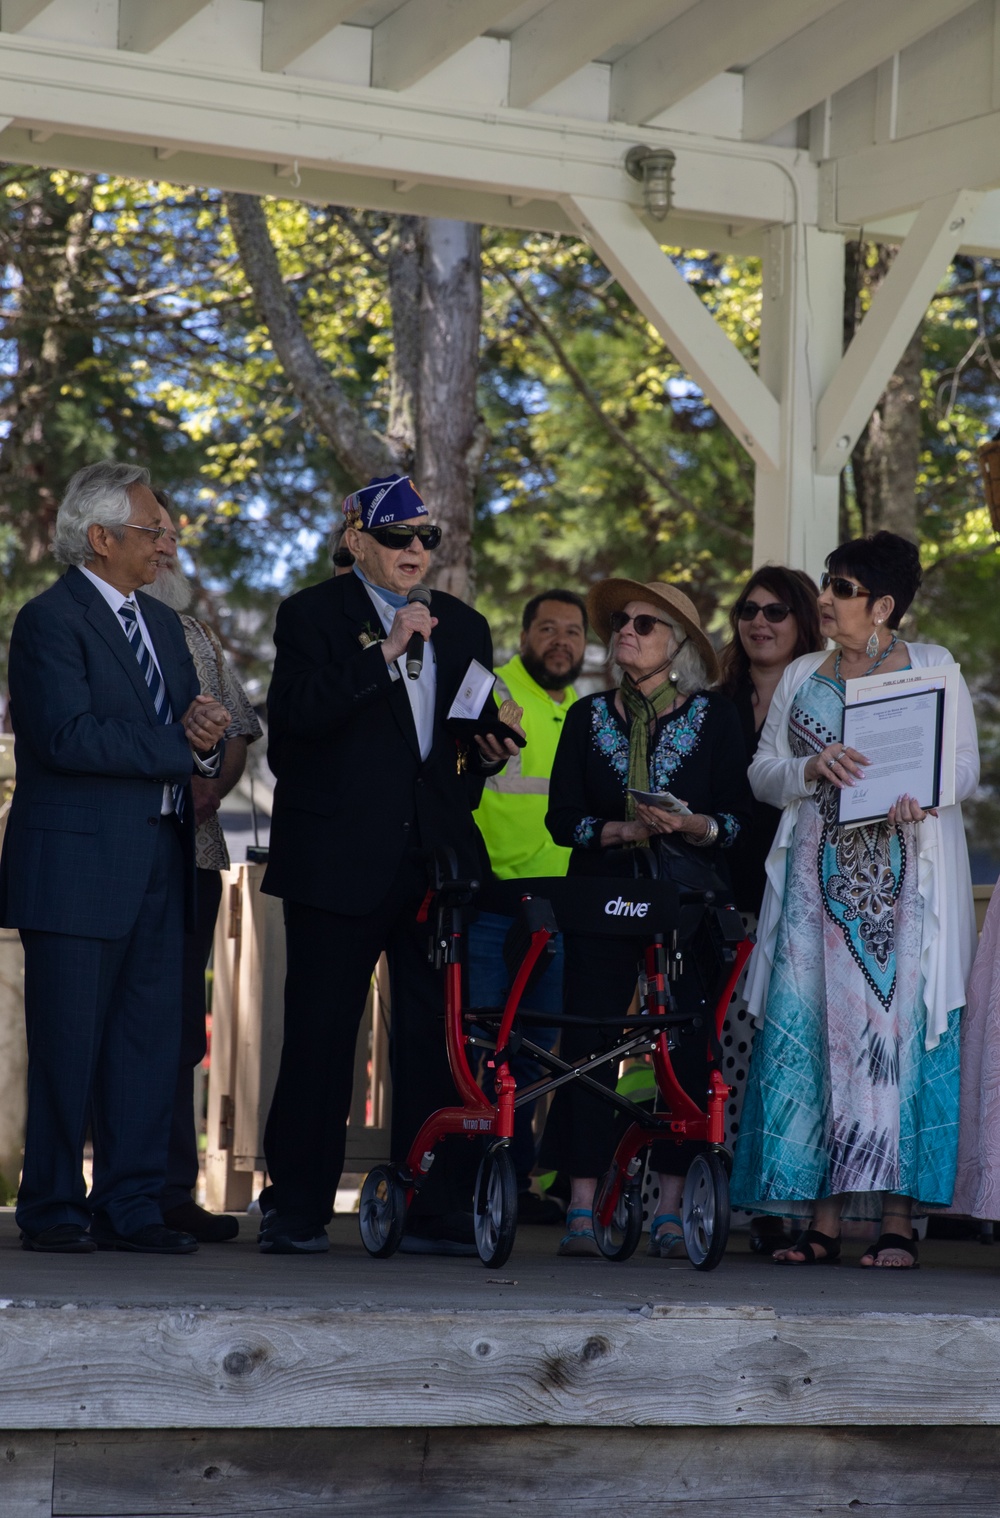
x: 368, y: 780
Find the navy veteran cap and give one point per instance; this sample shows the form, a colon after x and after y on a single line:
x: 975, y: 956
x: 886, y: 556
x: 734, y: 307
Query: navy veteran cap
x: 383, y: 501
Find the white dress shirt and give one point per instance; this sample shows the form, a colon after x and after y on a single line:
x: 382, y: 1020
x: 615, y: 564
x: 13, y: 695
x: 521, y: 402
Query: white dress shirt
x: 422, y: 692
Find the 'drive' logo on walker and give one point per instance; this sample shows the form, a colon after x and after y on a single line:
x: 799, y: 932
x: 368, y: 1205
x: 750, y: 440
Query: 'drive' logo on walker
x: 620, y: 908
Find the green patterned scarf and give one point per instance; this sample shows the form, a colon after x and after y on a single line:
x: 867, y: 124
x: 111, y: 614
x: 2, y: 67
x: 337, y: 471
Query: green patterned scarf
x: 641, y: 709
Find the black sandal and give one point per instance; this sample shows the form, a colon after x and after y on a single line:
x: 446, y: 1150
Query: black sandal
x: 804, y: 1245
x: 891, y: 1241
x: 768, y: 1234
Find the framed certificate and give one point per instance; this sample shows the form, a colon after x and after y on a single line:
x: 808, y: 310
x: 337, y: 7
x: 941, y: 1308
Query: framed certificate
x: 901, y: 735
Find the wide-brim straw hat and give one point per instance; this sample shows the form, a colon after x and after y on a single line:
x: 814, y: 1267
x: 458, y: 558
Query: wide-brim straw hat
x: 614, y: 595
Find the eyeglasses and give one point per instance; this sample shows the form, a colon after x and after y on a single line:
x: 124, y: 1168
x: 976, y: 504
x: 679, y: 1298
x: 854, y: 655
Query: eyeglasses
x: 155, y: 532
x: 643, y: 623
x: 397, y: 536
x: 774, y: 611
x: 844, y: 590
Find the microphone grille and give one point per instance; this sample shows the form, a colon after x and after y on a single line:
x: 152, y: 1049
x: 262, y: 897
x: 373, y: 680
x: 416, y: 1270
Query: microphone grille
x: 418, y: 593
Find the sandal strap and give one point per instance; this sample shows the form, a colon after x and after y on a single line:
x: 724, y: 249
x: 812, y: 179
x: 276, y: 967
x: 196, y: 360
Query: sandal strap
x: 892, y: 1241
x: 660, y: 1219
x: 810, y: 1236
x: 579, y: 1212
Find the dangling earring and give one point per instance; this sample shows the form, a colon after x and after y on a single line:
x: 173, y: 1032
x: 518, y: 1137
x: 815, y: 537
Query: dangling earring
x: 871, y: 647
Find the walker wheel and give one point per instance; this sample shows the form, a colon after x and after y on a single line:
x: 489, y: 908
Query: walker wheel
x: 494, y: 1212
x: 705, y: 1211
x: 620, y: 1237
x: 382, y: 1211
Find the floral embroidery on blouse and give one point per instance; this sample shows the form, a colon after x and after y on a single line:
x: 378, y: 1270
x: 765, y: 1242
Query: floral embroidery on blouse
x: 676, y: 742
x: 585, y: 830
x: 729, y: 829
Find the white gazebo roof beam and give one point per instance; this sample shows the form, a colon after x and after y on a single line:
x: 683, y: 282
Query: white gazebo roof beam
x: 877, y: 182
x: 143, y: 26
x: 893, y: 317
x: 704, y: 41
x: 424, y: 33
x: 836, y: 48
x: 568, y: 34
x: 16, y: 14
x: 634, y: 256
x: 277, y: 118
x: 292, y: 26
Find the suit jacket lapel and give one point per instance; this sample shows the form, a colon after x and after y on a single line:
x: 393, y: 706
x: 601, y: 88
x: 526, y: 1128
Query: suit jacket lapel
x: 360, y: 611
x: 103, y: 620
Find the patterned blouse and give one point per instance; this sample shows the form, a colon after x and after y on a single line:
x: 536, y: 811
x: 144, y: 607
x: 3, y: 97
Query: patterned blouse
x: 218, y: 681
x: 698, y: 753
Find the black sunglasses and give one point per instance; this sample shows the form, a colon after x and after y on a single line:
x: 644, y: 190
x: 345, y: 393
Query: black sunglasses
x: 774, y: 611
x: 643, y: 623
x: 398, y: 536
x: 844, y: 590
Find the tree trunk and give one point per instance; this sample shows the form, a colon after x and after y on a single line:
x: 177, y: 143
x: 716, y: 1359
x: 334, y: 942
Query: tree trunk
x: 433, y: 429
x: 451, y: 440
x: 361, y: 451
x: 886, y: 459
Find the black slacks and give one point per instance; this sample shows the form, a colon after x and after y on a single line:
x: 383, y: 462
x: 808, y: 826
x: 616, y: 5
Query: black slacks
x: 330, y: 960
x: 103, y: 1025
x: 182, y: 1151
x: 580, y: 1131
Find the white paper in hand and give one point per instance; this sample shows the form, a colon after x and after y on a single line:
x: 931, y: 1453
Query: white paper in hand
x: 665, y: 800
x: 477, y: 682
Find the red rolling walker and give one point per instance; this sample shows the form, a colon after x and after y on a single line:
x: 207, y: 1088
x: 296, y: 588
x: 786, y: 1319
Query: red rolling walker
x: 678, y: 935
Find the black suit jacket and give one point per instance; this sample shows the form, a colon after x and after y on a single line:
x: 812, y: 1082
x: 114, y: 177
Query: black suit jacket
x: 92, y: 760
x: 352, y: 793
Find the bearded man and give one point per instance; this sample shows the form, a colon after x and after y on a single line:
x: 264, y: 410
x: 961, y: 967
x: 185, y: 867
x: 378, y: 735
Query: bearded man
x: 215, y: 677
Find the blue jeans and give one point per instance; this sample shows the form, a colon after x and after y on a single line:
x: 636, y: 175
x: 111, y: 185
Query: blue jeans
x: 488, y: 987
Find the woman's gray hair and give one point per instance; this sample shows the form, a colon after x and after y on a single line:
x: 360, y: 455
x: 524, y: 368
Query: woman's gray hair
x: 97, y: 493
x: 687, y: 664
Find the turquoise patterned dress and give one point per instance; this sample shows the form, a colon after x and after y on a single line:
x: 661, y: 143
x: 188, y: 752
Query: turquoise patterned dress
x: 842, y: 1096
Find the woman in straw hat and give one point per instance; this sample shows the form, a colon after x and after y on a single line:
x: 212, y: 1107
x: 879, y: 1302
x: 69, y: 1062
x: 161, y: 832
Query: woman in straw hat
x: 660, y: 730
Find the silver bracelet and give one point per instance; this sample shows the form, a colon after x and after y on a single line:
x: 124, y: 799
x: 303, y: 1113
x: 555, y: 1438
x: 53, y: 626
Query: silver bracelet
x: 710, y: 837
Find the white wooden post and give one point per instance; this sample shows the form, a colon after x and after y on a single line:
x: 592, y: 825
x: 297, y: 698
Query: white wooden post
x: 795, y: 507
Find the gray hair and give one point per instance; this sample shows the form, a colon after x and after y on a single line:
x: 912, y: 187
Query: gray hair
x: 687, y: 664
x: 97, y: 493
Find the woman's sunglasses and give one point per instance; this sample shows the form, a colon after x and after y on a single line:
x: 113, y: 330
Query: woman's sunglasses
x: 397, y: 536
x: 643, y: 623
x: 774, y: 611
x: 844, y: 590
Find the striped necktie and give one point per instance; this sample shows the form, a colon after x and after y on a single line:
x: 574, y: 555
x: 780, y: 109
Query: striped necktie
x: 153, y: 678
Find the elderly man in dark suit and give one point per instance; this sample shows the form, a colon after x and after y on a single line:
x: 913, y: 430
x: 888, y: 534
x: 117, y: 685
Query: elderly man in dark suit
x: 368, y: 779
x: 108, y: 727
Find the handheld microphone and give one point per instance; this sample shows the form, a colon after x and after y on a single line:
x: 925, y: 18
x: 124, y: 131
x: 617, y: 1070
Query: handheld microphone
x: 415, y: 648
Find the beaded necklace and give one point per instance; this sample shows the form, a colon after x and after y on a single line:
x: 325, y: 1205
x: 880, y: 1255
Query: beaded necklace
x: 871, y: 668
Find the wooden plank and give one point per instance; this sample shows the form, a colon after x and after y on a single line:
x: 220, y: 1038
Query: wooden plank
x: 26, y: 1468
x: 697, y: 1473
x: 148, y: 1368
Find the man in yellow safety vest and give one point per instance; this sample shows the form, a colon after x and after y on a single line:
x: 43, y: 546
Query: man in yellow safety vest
x: 511, y: 818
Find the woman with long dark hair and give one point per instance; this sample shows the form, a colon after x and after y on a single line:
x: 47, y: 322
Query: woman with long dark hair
x: 774, y: 620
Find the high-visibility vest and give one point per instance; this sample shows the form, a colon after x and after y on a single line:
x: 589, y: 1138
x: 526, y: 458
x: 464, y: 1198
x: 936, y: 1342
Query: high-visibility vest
x: 511, y: 815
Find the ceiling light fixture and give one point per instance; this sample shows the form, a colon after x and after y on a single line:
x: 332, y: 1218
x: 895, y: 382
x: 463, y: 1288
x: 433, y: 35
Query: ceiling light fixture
x: 654, y: 168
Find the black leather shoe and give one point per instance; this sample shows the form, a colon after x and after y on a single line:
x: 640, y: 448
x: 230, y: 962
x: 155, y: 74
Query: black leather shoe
x: 450, y: 1233
x: 155, y: 1238
x: 206, y: 1227
x: 63, y: 1238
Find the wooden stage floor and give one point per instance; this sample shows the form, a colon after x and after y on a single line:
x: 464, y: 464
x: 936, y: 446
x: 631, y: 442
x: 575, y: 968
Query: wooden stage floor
x: 230, y: 1383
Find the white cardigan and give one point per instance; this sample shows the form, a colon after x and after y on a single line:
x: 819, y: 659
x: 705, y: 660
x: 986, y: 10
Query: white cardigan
x: 948, y: 941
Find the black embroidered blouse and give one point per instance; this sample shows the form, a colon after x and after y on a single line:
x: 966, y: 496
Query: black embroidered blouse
x: 698, y: 753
